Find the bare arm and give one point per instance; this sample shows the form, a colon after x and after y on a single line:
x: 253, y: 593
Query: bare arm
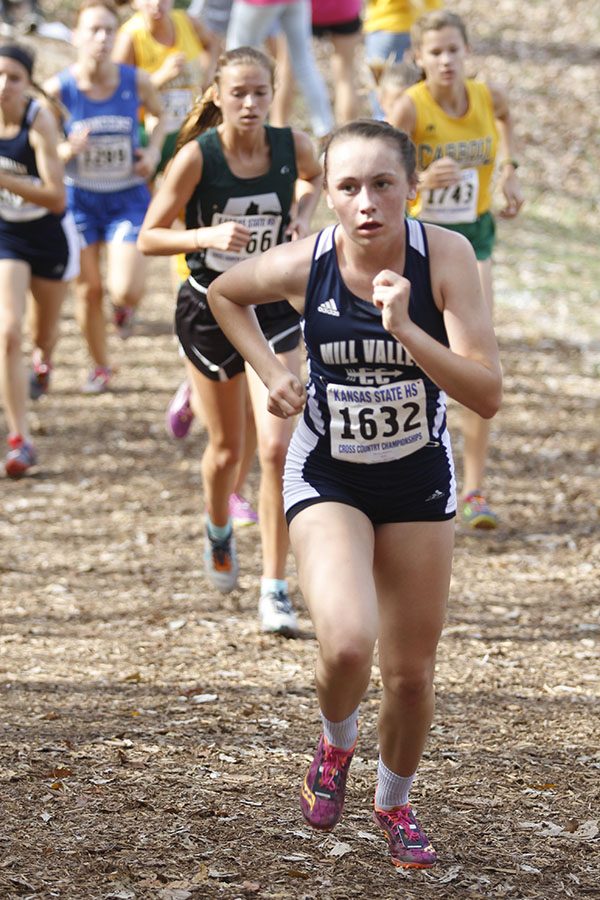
x: 123, y: 51
x: 43, y: 137
x: 149, y: 157
x: 308, y: 185
x: 403, y: 115
x: 77, y: 141
x: 469, y: 369
x: 211, y: 43
x: 443, y: 172
x: 157, y: 238
x: 280, y: 273
x: 509, y: 181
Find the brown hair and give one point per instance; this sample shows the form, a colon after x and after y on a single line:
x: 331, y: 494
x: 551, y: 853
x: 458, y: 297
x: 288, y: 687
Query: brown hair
x: 435, y: 21
x: 26, y: 57
x: 205, y: 114
x: 109, y: 5
x: 373, y: 129
x: 399, y: 75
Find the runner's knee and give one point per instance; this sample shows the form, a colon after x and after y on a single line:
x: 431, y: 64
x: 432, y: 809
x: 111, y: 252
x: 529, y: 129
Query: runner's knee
x: 346, y: 653
x: 224, y: 456
x: 90, y: 293
x: 408, y: 686
x: 11, y: 335
x: 272, y: 451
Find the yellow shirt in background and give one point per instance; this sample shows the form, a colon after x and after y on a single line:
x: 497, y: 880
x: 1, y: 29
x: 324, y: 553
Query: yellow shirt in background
x: 177, y: 95
x: 471, y: 140
x: 395, y: 15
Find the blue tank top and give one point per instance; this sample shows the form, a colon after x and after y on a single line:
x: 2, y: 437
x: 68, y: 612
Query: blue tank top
x: 364, y: 389
x: 17, y: 157
x: 106, y: 164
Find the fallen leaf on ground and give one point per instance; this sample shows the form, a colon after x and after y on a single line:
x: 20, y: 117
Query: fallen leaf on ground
x: 340, y: 849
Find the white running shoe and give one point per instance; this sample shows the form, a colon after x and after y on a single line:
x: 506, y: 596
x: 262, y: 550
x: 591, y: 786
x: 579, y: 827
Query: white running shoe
x: 277, y: 614
x: 98, y: 381
x: 221, y: 562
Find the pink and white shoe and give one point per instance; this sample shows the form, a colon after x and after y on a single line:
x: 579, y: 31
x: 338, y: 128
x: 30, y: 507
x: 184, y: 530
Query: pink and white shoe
x: 97, y: 381
x: 180, y: 415
x: 39, y: 378
x: 241, y: 512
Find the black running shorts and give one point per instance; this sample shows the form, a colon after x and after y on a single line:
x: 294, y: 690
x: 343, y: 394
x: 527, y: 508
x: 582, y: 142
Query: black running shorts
x: 206, y: 346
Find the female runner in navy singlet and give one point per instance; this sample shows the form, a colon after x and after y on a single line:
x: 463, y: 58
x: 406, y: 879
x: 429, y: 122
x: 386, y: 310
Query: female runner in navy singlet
x: 39, y: 250
x: 394, y: 320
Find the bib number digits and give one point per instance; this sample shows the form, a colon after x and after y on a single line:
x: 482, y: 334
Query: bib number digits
x: 107, y: 156
x: 454, y: 203
x: 265, y: 242
x: 377, y: 425
x: 177, y: 104
x: 264, y: 230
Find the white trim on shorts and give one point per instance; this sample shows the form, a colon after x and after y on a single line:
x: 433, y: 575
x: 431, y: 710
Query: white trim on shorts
x: 295, y: 488
x: 280, y: 336
x: 213, y: 367
x: 197, y: 286
x: 74, y: 244
x: 451, y: 504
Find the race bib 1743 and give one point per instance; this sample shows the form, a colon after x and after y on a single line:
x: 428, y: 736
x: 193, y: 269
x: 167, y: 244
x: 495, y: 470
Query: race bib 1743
x: 454, y: 204
x: 177, y: 104
x: 376, y: 425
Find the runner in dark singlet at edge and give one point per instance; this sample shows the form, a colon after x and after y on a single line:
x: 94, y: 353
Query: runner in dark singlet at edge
x: 237, y: 181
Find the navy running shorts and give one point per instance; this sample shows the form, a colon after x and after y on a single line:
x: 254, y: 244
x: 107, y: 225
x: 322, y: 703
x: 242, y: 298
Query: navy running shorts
x: 50, y: 246
x: 417, y: 488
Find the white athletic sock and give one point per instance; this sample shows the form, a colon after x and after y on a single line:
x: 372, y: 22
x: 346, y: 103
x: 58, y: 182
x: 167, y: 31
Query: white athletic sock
x: 342, y: 734
x: 392, y: 790
x: 269, y: 585
x: 218, y: 532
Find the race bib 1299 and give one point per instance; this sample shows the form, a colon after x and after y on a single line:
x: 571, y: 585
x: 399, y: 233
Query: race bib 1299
x: 106, y: 156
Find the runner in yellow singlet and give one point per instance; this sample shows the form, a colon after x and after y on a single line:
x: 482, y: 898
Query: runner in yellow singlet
x: 175, y: 50
x: 461, y: 128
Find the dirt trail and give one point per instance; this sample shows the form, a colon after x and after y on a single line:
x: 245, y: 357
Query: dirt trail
x: 153, y: 741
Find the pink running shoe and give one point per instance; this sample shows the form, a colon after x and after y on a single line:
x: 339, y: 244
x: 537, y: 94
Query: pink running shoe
x: 409, y: 845
x: 180, y: 415
x: 324, y: 788
x: 39, y: 379
x: 124, y: 320
x: 241, y: 512
x: 20, y: 457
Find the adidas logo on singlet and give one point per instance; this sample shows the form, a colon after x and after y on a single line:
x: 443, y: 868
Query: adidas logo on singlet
x: 329, y: 308
x: 437, y: 495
